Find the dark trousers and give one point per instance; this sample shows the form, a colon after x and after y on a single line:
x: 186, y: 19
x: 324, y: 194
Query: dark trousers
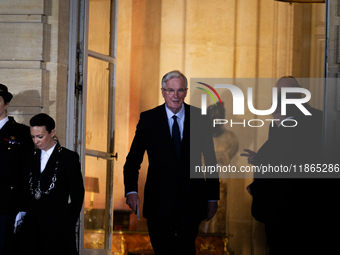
x: 173, y: 236
x: 176, y: 233
x: 6, y: 234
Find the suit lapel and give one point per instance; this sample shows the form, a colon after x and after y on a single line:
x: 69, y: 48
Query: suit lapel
x: 186, y: 128
x: 164, y: 124
x: 186, y: 132
x: 35, y: 167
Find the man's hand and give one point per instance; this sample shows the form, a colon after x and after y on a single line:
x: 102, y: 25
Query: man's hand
x: 132, y: 200
x: 251, y: 156
x: 212, y: 209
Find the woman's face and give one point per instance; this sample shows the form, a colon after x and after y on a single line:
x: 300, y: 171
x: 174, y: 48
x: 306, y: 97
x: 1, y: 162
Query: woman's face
x: 41, y: 138
x: 3, y: 108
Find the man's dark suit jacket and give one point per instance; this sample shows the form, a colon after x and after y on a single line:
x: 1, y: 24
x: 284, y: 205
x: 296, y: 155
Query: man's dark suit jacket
x: 168, y: 177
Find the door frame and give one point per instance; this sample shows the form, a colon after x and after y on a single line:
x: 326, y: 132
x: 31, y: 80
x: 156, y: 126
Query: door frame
x: 76, y: 105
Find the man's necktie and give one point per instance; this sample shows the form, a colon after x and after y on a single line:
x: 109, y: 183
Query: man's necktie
x: 176, y: 135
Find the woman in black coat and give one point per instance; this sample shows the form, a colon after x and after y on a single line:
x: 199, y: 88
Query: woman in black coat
x: 56, y: 193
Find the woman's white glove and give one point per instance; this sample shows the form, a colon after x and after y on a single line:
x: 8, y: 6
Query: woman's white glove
x: 18, y: 221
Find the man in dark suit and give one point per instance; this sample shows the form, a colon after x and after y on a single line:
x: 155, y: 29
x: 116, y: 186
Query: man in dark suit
x: 15, y: 141
x: 285, y: 204
x: 174, y: 203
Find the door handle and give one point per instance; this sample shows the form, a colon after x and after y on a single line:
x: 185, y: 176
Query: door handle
x: 114, y: 156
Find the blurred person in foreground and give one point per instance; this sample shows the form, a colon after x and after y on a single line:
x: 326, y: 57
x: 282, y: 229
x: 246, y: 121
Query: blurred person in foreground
x: 289, y: 207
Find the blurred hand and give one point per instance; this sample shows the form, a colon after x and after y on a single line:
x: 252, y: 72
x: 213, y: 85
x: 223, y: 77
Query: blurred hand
x: 212, y: 209
x: 251, y: 156
x: 132, y: 200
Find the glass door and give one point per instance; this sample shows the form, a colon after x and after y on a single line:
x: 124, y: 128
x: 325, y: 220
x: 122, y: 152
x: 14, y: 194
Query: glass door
x: 97, y: 30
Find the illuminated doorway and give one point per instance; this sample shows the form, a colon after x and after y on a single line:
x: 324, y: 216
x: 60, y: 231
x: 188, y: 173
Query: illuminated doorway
x: 93, y: 42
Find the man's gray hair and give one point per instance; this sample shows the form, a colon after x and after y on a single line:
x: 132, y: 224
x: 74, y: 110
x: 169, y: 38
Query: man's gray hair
x: 173, y: 74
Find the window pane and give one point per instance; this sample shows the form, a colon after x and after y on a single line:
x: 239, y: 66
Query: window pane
x: 99, y: 26
x: 97, y: 105
x: 95, y: 202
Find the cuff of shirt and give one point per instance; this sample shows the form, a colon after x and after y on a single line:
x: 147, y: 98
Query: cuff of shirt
x: 131, y: 192
x: 212, y: 200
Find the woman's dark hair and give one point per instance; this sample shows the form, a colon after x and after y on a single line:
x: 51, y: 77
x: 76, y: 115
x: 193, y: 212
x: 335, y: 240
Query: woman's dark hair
x: 42, y: 119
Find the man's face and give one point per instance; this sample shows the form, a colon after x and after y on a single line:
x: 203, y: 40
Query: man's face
x: 3, y: 108
x: 174, y: 102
